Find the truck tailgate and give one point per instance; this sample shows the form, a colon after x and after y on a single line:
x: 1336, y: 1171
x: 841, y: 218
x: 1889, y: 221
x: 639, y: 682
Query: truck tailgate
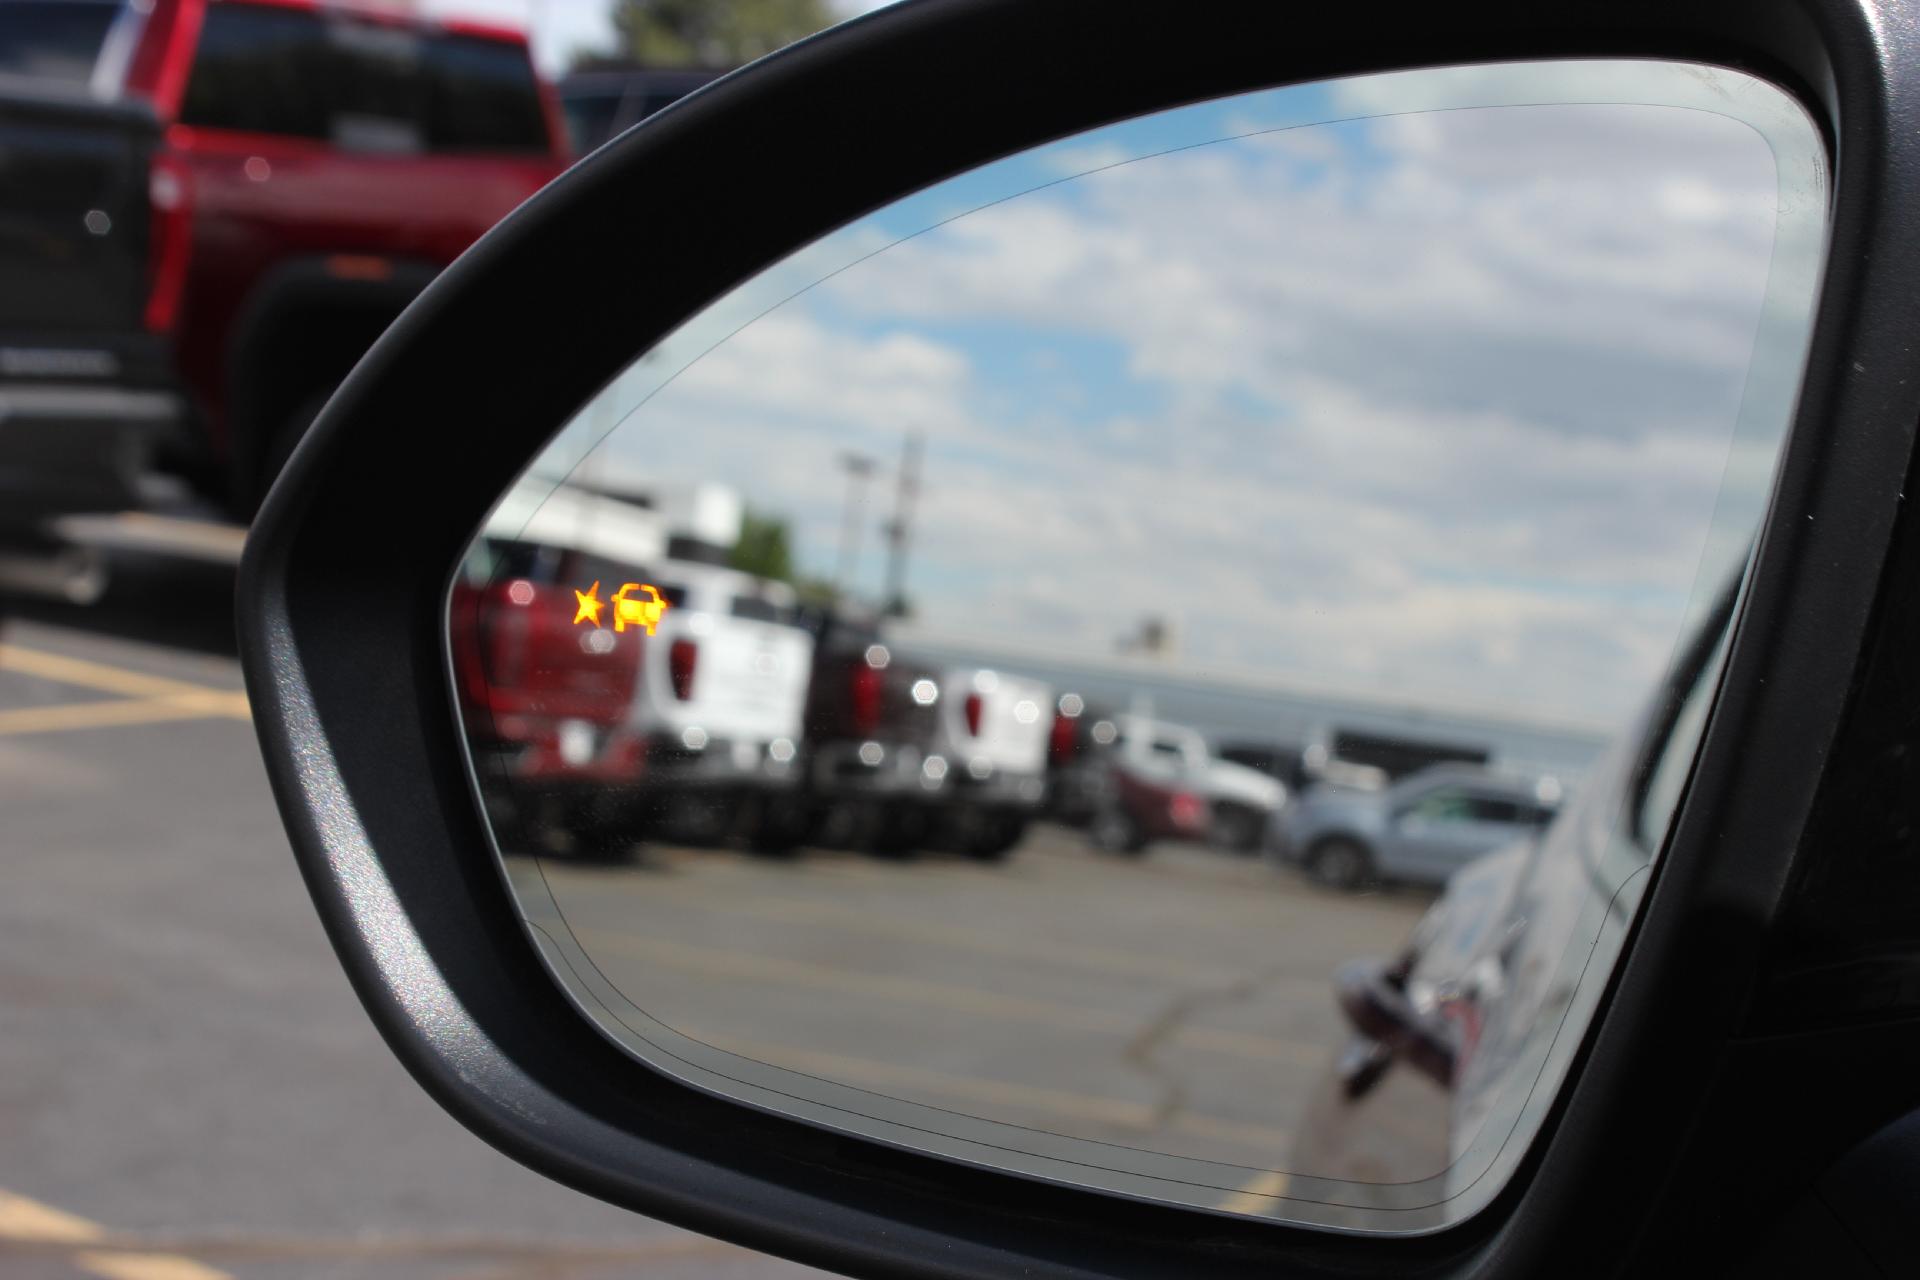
x: 1000, y: 718
x: 749, y: 678
x: 73, y: 222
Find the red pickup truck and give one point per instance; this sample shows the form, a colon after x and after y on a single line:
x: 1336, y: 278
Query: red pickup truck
x: 306, y: 170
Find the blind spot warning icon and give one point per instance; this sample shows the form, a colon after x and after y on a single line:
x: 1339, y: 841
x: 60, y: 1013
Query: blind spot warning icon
x: 640, y: 612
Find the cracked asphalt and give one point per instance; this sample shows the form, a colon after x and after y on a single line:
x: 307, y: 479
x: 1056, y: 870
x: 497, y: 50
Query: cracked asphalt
x: 1180, y: 1002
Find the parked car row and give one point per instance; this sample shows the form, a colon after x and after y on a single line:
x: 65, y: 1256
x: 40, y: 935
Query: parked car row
x: 1131, y: 779
x: 741, y: 715
x: 1422, y: 829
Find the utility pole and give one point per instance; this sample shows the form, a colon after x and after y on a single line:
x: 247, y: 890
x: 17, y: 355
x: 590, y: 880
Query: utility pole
x: 900, y: 528
x: 858, y: 468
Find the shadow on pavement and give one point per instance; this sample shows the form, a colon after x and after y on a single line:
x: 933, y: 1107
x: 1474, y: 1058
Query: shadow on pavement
x: 183, y: 604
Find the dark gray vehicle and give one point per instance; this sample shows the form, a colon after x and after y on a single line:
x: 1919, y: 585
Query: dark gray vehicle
x: 602, y: 99
x: 1423, y: 829
x: 83, y: 388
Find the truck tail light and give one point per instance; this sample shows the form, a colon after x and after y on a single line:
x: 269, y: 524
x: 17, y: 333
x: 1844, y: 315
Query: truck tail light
x: 864, y: 693
x: 1186, y: 810
x: 683, y: 658
x: 505, y: 630
x: 170, y: 208
x: 974, y: 707
x: 1064, y: 741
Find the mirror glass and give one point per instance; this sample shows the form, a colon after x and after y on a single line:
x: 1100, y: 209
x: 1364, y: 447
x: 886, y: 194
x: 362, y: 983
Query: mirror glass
x: 1165, y: 662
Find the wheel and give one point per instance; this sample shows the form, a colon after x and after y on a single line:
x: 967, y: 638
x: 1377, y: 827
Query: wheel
x: 779, y: 828
x: 1115, y: 831
x: 1237, y: 829
x: 1341, y: 863
x: 894, y: 830
x: 993, y: 837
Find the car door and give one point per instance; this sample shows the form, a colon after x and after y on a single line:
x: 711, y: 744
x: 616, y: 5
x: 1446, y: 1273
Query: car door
x: 1437, y: 833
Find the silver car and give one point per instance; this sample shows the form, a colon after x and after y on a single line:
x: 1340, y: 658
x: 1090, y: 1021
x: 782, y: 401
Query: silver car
x: 1422, y: 829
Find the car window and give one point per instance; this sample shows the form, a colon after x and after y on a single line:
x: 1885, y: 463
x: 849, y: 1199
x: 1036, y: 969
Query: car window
x: 1447, y: 805
x: 54, y: 40
x: 1495, y: 809
x: 363, y: 86
x: 590, y: 118
x: 482, y: 96
x: 759, y: 609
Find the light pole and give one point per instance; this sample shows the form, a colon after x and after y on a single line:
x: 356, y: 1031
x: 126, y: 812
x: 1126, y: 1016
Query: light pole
x: 858, y: 468
x: 900, y: 528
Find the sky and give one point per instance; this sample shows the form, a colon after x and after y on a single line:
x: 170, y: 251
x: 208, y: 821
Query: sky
x: 1459, y: 405
x: 560, y: 27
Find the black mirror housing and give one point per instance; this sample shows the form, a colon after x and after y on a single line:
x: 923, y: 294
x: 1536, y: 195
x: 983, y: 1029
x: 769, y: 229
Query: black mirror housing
x: 345, y: 577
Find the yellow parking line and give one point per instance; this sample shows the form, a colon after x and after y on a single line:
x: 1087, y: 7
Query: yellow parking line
x: 25, y: 1221
x: 149, y: 698
x: 145, y: 1266
x: 727, y: 963
x: 104, y: 677
x: 1258, y: 1195
x: 121, y: 711
x: 1115, y: 1112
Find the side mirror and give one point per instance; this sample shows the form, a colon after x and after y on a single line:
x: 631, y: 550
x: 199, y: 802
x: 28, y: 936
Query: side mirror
x: 1373, y: 996
x: 1336, y: 357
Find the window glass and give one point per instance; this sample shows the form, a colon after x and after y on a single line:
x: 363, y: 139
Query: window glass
x: 760, y: 610
x: 364, y: 86
x: 1488, y: 809
x: 1444, y: 806
x: 53, y: 39
x: 482, y: 96
x: 590, y: 118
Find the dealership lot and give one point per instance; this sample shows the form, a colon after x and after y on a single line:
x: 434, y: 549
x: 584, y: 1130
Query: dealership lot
x: 188, y: 1089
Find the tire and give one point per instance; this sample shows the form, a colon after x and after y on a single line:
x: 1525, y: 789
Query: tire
x: 1341, y: 863
x: 1113, y: 830
x: 597, y: 829
x: 780, y: 829
x: 994, y: 837
x: 895, y: 831
x: 1237, y: 829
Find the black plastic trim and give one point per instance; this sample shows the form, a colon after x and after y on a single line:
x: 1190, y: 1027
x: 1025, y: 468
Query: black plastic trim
x: 342, y: 625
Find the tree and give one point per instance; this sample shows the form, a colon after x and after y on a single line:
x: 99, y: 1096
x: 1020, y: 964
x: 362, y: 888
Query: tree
x: 764, y: 548
x: 712, y: 32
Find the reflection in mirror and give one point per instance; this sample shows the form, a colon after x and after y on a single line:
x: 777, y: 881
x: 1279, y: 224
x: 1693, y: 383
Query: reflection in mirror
x: 1165, y: 662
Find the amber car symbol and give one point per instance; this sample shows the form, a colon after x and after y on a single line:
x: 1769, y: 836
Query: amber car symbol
x: 640, y: 612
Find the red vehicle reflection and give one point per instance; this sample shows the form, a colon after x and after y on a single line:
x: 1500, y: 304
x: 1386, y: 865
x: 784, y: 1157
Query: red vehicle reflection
x: 545, y: 702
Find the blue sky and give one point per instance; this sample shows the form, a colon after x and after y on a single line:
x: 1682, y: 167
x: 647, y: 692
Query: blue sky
x: 1450, y: 405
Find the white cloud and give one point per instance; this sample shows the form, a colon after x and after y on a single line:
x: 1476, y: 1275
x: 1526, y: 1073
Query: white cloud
x: 1448, y: 419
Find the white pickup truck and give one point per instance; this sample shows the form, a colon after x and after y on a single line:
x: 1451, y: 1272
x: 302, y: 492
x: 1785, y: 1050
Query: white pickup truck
x: 993, y: 729
x: 721, y: 695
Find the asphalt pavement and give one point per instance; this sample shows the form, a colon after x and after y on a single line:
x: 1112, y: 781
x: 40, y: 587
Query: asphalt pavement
x: 188, y: 1089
